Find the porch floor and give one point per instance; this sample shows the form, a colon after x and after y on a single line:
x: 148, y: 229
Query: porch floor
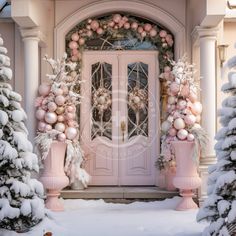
x: 126, y: 193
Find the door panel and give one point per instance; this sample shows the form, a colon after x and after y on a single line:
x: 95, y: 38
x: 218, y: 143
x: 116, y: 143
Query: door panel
x: 100, y: 74
x: 120, y: 139
x: 138, y: 71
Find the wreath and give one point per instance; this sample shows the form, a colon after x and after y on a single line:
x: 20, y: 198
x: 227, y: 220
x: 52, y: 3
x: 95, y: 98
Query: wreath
x: 102, y: 99
x: 138, y: 99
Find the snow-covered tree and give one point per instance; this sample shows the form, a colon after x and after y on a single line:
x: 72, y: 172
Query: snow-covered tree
x: 220, y: 207
x: 21, y: 197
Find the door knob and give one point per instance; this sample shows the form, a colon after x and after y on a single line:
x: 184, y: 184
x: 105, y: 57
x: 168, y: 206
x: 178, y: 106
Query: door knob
x: 123, y: 128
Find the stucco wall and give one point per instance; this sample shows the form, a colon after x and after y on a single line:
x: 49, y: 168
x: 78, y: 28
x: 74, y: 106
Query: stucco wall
x: 64, y: 7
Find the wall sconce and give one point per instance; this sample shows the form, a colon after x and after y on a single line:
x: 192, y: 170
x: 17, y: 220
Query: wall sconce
x: 222, y: 53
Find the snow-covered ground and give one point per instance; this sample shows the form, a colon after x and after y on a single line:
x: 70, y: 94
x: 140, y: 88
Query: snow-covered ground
x: 95, y: 217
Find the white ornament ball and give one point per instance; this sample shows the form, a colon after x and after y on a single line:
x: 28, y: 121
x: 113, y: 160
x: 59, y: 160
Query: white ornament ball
x: 179, y: 123
x: 165, y: 126
x: 60, y: 100
x: 44, y: 89
x: 17, y: 115
x: 60, y: 127
x: 50, y: 117
x: 71, y: 133
x: 182, y: 134
x: 40, y: 114
x: 190, y: 137
x: 52, y: 106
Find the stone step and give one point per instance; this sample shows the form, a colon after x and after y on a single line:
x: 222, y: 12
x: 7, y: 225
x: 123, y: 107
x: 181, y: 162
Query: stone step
x: 151, y: 193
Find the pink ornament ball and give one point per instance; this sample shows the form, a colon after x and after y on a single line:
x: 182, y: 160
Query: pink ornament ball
x: 100, y: 31
x: 71, y: 133
x: 172, y: 132
x: 196, y: 108
x: 153, y: 32
x: 174, y: 88
x: 94, y: 25
x: 89, y: 33
x: 60, y: 100
x: 75, y: 37
x: 147, y: 27
x: 140, y: 29
x: 71, y: 123
x: 60, y: 127
x: 50, y: 117
x: 52, y: 106
x: 41, y: 126
x: 40, y: 114
x: 48, y: 127
x: 70, y: 116
x: 134, y: 25
x: 192, y: 97
x: 74, y: 58
x: 117, y: 18
x: 162, y: 33
x: 61, y: 137
x: 44, y: 89
x: 73, y: 45
x: 60, y: 118
x: 75, y: 52
x: 69, y: 109
x: 81, y: 41
x: 190, y: 137
x: 127, y: 25
x: 190, y: 119
x: 111, y: 24
x: 179, y: 123
x: 182, y: 134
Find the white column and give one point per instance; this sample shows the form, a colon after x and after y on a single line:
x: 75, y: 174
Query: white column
x: 31, y: 72
x: 207, y: 42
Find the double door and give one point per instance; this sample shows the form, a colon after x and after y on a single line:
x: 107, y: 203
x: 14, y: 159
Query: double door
x: 119, y: 116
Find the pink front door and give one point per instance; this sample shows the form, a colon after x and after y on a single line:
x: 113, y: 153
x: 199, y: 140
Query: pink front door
x: 119, y: 116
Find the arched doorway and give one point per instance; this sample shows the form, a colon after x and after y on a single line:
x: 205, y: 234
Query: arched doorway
x: 118, y: 58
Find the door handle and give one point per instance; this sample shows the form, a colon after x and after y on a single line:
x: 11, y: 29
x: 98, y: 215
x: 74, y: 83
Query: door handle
x: 123, y: 128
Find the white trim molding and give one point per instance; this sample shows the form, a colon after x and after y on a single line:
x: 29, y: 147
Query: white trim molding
x: 137, y: 8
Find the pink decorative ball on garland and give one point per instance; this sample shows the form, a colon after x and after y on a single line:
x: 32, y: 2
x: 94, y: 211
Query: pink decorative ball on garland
x: 190, y: 137
x: 134, y: 25
x: 94, y: 25
x: 61, y: 137
x: 153, y: 32
x: 48, y: 127
x: 190, y: 119
x: 75, y: 37
x: 147, y: 27
x: 73, y: 45
x: 172, y: 132
x: 117, y: 18
x: 52, y: 106
x: 196, y: 108
x: 174, y: 88
x: 127, y: 25
x: 41, y: 126
x: 44, y: 89
x: 60, y: 100
x: 40, y: 114
x: 140, y: 29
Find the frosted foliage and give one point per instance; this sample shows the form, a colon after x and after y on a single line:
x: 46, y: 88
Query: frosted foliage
x: 21, y: 197
x: 220, y: 207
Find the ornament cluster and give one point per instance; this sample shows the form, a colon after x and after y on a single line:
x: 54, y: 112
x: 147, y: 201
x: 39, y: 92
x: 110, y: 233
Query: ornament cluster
x: 183, y: 110
x: 56, y: 107
x: 110, y: 27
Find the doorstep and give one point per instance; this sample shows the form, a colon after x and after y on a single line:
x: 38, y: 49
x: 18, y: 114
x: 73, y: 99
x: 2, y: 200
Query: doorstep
x: 119, y: 193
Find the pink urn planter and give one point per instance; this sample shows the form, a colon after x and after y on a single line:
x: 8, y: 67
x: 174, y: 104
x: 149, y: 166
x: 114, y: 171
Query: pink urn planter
x: 187, y: 177
x: 53, y: 176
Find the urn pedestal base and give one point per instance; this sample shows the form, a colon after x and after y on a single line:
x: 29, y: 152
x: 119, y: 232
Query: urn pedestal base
x: 187, y: 177
x: 53, y: 176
